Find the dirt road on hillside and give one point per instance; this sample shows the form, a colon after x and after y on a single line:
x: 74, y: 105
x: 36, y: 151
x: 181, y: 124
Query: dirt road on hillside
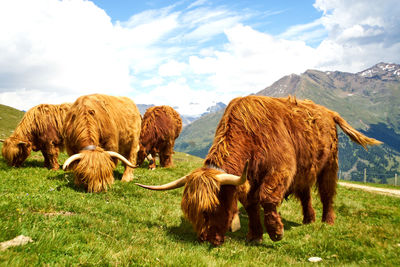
x: 383, y: 191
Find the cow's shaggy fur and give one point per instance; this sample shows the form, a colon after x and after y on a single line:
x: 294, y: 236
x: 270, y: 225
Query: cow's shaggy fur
x: 161, y: 125
x: 109, y: 124
x: 39, y: 129
x: 291, y: 145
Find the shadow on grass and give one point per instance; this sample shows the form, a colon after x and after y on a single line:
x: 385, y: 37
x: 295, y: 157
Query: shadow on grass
x: 33, y: 163
x: 241, y: 234
x: 68, y: 178
x: 30, y: 163
x: 289, y: 224
x: 183, y: 233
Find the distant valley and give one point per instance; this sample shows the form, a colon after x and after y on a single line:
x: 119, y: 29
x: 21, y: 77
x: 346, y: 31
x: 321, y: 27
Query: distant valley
x: 369, y: 100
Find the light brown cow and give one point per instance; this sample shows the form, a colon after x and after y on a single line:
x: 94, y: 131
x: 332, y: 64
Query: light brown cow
x: 161, y: 125
x: 39, y: 129
x: 289, y: 145
x: 99, y: 130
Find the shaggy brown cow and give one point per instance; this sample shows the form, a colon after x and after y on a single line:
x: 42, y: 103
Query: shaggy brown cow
x: 161, y: 125
x: 290, y: 144
x: 96, y: 128
x: 39, y: 129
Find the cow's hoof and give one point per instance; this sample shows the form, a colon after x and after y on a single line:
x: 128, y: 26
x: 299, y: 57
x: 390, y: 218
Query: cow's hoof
x: 126, y: 180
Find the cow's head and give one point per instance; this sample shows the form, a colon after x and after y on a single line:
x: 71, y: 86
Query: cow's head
x: 209, y: 201
x: 93, y: 167
x: 15, y: 151
x: 143, y: 154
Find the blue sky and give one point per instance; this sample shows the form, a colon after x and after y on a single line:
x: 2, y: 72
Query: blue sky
x: 273, y: 17
x: 188, y: 54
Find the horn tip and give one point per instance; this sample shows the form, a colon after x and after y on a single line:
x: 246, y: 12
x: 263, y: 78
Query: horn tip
x: 145, y: 186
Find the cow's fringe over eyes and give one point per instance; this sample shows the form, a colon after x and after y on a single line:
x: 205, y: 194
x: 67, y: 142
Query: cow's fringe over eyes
x: 200, y: 195
x: 14, y: 153
x: 94, y: 170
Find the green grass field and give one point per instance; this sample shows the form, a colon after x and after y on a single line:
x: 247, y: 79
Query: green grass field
x: 128, y: 225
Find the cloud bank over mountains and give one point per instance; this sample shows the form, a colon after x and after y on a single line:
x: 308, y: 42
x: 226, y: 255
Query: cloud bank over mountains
x: 188, y: 55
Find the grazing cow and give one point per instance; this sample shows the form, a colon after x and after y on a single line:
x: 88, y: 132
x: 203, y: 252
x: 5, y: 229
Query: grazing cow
x: 39, y: 129
x: 161, y: 125
x: 289, y: 145
x: 99, y: 130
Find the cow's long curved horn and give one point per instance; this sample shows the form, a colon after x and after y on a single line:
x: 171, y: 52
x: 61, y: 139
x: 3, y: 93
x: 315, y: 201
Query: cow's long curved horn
x: 122, y: 158
x: 230, y: 179
x: 2, y: 141
x: 71, y: 159
x: 172, y: 185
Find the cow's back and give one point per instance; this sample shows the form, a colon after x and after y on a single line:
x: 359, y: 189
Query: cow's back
x: 161, y: 123
x: 107, y: 121
x: 274, y: 132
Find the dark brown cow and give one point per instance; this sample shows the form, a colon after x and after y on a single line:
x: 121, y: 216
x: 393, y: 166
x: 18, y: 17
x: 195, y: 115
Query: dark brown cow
x: 99, y: 130
x: 39, y: 129
x: 161, y: 125
x: 290, y: 144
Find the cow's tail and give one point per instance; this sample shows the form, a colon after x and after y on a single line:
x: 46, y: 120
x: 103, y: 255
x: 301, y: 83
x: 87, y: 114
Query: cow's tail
x: 354, y: 135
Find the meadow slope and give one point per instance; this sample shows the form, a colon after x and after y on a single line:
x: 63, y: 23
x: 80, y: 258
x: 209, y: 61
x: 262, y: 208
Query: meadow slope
x: 128, y: 225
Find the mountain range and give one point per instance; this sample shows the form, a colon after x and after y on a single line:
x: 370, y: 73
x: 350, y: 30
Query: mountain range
x: 369, y: 100
x: 186, y: 119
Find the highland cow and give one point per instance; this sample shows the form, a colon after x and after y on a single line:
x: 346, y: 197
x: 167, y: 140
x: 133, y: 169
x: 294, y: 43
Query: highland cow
x: 39, y: 129
x: 161, y: 125
x: 289, y: 145
x: 99, y: 130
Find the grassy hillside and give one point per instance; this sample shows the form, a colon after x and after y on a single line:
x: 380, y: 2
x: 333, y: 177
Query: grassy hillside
x: 129, y: 225
x: 197, y: 137
x: 9, y: 119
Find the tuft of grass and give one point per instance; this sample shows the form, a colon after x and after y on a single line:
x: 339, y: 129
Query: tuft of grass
x: 128, y: 225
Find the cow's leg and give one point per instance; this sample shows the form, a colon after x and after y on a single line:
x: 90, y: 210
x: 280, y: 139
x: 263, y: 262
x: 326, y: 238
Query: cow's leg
x: 50, y: 153
x: 127, y: 176
x: 327, y: 181
x: 46, y: 159
x: 54, y: 158
x: 306, y: 203
x: 152, y: 162
x: 166, y: 156
x: 271, y: 194
x: 255, y: 233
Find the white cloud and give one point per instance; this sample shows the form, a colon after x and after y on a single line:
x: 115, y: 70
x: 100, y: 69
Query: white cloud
x: 172, y: 68
x: 197, y: 3
x: 58, y: 47
x: 53, y: 50
x: 179, y: 95
x: 153, y: 81
x: 252, y: 60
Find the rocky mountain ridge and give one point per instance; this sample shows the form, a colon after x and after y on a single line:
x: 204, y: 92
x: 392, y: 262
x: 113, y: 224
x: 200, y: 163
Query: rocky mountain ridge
x: 369, y: 100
